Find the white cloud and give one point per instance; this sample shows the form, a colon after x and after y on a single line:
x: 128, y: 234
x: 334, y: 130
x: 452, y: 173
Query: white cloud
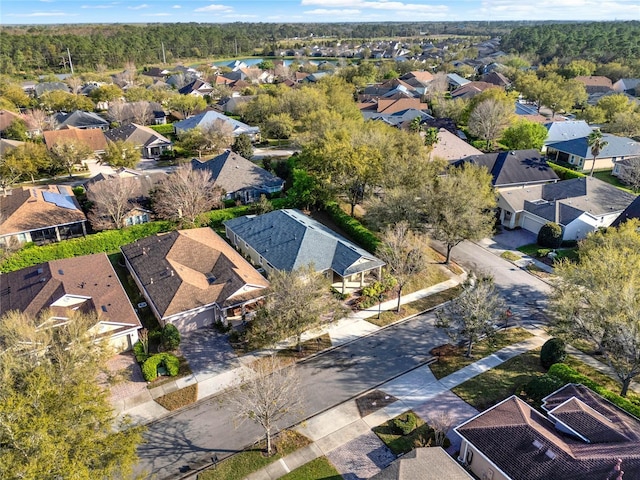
x: 177, y: 6
x: 40, y: 14
x: 378, y: 5
x: 156, y: 14
x: 557, y: 10
x: 139, y: 7
x: 47, y: 1
x: 326, y: 11
x: 238, y: 15
x: 98, y: 6
x: 214, y: 8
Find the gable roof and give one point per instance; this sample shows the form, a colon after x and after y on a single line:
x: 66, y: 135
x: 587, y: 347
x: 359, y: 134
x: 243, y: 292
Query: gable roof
x: 525, y: 445
x: 455, y: 79
x: 94, y: 137
x: 616, y: 147
x: 597, y: 81
x: 517, y: 167
x: 426, y: 463
x: 632, y: 211
x: 143, y: 183
x: 233, y: 173
x: 80, y: 119
x: 44, y: 87
x: 188, y: 269
x: 137, y: 134
x: 288, y: 239
x: 422, y: 76
x: 496, y: 78
x: 91, y: 279
x: 197, y: 85
x: 626, y: 84
x: 471, y: 89
x: 567, y: 130
x: 205, y: 119
x: 7, y: 145
x: 451, y: 147
x: 32, y: 208
x: 6, y: 118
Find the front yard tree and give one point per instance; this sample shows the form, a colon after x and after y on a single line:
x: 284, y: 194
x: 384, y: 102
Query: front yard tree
x: 630, y: 173
x: 66, y: 155
x: 459, y: 205
x: 597, y: 299
x: 404, y: 253
x: 524, y: 135
x: 55, y: 420
x: 295, y: 302
x: 268, y: 395
x: 121, y: 154
x: 111, y: 199
x: 242, y: 146
x: 473, y: 314
x: 29, y: 159
x: 185, y: 194
x: 489, y: 119
x: 186, y: 105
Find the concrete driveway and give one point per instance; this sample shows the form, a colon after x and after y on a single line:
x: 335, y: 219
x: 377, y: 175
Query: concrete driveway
x: 208, y: 353
x: 512, y: 239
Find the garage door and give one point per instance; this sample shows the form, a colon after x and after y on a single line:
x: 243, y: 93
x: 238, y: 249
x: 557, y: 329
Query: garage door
x: 193, y: 322
x: 532, y: 224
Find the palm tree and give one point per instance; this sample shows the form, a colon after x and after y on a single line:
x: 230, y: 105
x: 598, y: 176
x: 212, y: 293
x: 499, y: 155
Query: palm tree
x: 595, y: 141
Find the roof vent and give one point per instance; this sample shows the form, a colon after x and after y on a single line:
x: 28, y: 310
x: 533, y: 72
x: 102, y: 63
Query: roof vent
x: 537, y: 444
x: 39, y: 271
x: 549, y: 453
x: 60, y: 271
x: 104, y: 308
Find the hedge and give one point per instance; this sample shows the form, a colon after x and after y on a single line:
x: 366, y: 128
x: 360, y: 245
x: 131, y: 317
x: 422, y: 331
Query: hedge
x: 353, y: 227
x: 567, y: 374
x: 151, y: 364
x: 165, y: 129
x: 565, y: 173
x: 214, y: 218
x: 107, y: 241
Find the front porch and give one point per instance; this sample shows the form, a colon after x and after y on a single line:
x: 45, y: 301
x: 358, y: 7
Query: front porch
x: 352, y: 283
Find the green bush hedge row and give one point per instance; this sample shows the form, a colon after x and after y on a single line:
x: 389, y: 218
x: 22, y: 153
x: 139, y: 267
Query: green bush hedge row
x: 165, y: 129
x: 565, y: 173
x: 352, y: 227
x: 214, y: 218
x: 568, y: 375
x: 107, y: 241
x: 151, y: 364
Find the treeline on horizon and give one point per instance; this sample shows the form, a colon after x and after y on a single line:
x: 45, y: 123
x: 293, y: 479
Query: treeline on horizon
x: 42, y: 49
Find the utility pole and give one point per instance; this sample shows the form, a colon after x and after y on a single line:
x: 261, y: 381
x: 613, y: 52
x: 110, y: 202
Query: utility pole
x: 164, y: 58
x: 70, y: 62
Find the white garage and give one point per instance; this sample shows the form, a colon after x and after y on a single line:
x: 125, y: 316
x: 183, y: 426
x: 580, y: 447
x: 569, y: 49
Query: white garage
x: 532, y: 223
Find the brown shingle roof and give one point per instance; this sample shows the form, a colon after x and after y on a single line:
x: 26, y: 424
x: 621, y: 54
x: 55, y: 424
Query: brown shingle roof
x: 188, y: 269
x: 389, y: 106
x: 26, y: 209
x: 90, y: 278
x: 6, y: 119
x: 94, y: 138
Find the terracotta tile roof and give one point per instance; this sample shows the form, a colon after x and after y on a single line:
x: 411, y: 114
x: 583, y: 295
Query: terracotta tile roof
x: 527, y: 446
x: 90, y: 281
x: 188, y: 269
x: 26, y: 209
x: 94, y: 138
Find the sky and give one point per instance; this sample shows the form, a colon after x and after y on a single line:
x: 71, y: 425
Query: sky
x: 219, y: 11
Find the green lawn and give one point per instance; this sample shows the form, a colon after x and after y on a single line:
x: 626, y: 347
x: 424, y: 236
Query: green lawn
x: 251, y: 460
x: 606, y: 381
x: 508, y: 378
x: 605, y: 176
x: 454, y: 359
x: 318, y: 469
x: 532, y: 251
x: 398, y: 443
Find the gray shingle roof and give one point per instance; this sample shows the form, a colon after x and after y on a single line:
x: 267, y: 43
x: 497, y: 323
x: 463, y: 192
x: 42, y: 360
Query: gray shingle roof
x: 137, y: 134
x: 80, y: 119
x: 563, y: 131
x: 632, y: 211
x: 616, y: 147
x: 288, y: 239
x: 518, y: 167
x: 205, y: 119
x: 234, y: 173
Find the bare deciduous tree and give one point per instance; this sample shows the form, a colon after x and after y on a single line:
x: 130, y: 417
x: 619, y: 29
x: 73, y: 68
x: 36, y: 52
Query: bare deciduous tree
x: 630, y: 173
x: 489, y: 119
x: 404, y: 253
x: 118, y: 112
x: 441, y: 422
x: 474, y: 313
x: 268, y: 396
x: 141, y: 112
x: 74, y: 84
x: 112, y: 202
x: 38, y: 120
x: 185, y: 194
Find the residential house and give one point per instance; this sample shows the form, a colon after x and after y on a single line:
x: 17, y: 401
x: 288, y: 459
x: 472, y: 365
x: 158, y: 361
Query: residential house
x: 419, y: 80
x: 594, y: 98
x: 628, y: 85
x: 579, y: 205
x: 450, y: 147
x: 40, y: 215
x: 8, y: 145
x: 471, y: 89
x: 198, y: 87
x: 93, y: 138
x: 402, y: 119
x: 156, y: 73
x: 384, y: 106
x: 514, y: 169
x: 426, y: 463
x: 41, y: 88
x: 81, y: 120
x: 191, y: 278
x: 139, y: 184
x: 530, y: 112
x: 560, y: 131
x: 496, y: 78
x: 289, y: 239
x: 621, y: 165
x: 577, y: 152
x: 88, y: 284
x: 208, y: 118
x: 582, y: 436
x: 454, y: 80
x: 393, y: 88
x: 6, y: 119
x: 239, y: 178
x: 632, y: 211
x: 595, y: 83
x: 233, y: 104
x: 150, y: 142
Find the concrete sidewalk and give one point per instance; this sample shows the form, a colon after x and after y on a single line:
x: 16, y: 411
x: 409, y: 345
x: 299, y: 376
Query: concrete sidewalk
x: 342, y: 424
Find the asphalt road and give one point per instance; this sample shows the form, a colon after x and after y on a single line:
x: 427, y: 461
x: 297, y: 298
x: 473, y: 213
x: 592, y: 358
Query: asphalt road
x: 194, y: 435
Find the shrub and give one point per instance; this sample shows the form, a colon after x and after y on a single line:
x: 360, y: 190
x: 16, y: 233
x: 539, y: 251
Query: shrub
x: 214, y: 218
x: 541, y: 386
x: 550, y: 235
x: 360, y: 234
x: 138, y: 351
x: 170, y: 337
x: 151, y: 364
x: 543, y: 252
x: 553, y: 351
x: 565, y: 173
x: 406, y: 424
x: 567, y: 374
x: 165, y: 129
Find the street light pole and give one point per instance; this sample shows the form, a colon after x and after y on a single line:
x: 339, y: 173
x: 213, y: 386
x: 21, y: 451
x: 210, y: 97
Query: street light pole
x: 380, y: 298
